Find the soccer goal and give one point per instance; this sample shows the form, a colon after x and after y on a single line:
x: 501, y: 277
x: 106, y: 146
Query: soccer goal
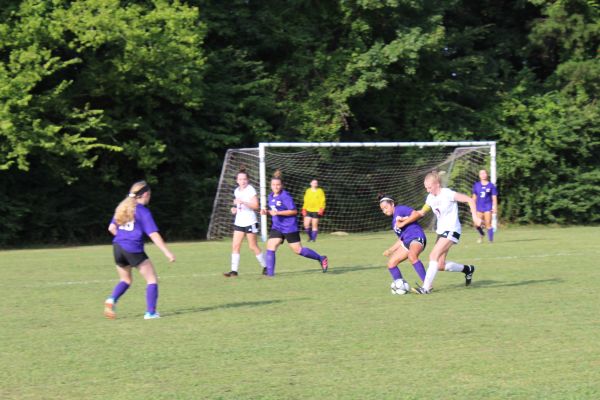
x: 352, y: 175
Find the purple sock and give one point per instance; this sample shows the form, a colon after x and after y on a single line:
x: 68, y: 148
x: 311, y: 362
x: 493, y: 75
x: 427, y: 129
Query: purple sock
x: 308, y: 253
x: 395, y: 272
x: 314, y: 235
x: 491, y: 235
x: 420, y: 270
x: 308, y: 233
x: 270, y: 260
x: 480, y: 230
x: 119, y: 290
x: 151, y: 297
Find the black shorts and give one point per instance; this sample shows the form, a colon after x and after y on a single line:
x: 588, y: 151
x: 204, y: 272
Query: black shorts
x: 313, y: 214
x: 247, y: 229
x: 451, y: 235
x: 124, y: 258
x: 293, y: 237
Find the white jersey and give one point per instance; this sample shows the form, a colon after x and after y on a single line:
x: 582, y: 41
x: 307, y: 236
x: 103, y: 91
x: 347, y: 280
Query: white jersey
x: 245, y: 216
x: 445, y: 209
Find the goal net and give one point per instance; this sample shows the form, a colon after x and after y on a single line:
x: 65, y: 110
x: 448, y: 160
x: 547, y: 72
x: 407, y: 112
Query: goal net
x: 352, y: 175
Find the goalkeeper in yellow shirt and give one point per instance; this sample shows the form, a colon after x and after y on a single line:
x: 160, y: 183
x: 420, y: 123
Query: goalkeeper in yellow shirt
x: 313, y: 209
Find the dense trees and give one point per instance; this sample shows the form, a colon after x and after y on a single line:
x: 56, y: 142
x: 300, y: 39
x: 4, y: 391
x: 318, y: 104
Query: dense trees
x: 97, y: 93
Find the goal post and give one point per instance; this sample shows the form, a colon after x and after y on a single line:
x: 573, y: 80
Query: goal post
x: 351, y: 174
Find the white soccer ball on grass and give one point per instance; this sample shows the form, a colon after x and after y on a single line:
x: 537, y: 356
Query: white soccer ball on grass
x: 400, y: 286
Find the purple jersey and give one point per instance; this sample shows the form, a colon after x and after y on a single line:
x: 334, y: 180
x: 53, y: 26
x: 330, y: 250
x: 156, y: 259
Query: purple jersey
x: 410, y: 231
x: 130, y: 236
x: 484, y: 195
x: 282, y: 202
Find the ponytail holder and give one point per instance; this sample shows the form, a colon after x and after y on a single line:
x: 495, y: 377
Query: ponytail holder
x: 131, y: 195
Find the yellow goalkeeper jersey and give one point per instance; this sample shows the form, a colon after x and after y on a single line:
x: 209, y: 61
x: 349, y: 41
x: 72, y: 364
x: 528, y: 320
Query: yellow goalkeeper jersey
x: 314, y: 200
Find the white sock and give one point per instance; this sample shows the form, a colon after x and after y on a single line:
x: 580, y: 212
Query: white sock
x: 261, y: 259
x: 235, y: 261
x: 430, y: 275
x: 451, y: 266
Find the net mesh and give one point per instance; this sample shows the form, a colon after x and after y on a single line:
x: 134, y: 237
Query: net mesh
x: 352, y: 178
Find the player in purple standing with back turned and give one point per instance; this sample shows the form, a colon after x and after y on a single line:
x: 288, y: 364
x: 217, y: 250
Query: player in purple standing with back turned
x: 131, y: 221
x: 485, y: 195
x: 285, y: 227
x: 411, y: 238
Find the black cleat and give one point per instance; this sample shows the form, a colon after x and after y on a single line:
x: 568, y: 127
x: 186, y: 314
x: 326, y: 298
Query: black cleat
x: 420, y: 290
x: 230, y: 274
x: 264, y: 272
x: 469, y: 275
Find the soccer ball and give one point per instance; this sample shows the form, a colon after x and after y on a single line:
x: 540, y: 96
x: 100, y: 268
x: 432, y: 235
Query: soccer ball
x: 400, y: 286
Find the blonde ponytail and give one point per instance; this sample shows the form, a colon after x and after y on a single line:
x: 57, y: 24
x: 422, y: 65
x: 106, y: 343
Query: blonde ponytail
x: 125, y: 211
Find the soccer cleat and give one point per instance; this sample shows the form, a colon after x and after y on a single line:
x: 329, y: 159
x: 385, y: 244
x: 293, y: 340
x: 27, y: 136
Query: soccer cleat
x: 230, y: 274
x: 324, y: 263
x: 264, y: 271
x: 109, y: 309
x: 469, y: 275
x: 480, y: 240
x: 150, y: 315
x: 420, y: 290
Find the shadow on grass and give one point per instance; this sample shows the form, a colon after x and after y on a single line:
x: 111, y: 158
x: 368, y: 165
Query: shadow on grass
x: 223, y: 307
x: 333, y: 270
x: 493, y: 284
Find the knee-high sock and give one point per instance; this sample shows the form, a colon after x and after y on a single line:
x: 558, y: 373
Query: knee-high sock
x: 314, y: 235
x: 151, y: 297
x: 270, y: 261
x: 235, y: 261
x: 308, y: 233
x: 309, y: 253
x: 395, y: 272
x: 420, y: 269
x: 451, y: 266
x: 480, y: 230
x: 261, y: 259
x: 491, y: 235
x: 430, y: 275
x: 119, y: 290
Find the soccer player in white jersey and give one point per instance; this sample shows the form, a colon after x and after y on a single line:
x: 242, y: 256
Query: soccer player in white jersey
x: 444, y: 203
x: 245, y: 224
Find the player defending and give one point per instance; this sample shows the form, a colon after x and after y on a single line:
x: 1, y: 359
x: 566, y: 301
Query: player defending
x: 485, y: 195
x: 411, y: 238
x: 313, y: 209
x: 245, y: 224
x: 284, y: 226
x: 131, y: 221
x: 444, y: 203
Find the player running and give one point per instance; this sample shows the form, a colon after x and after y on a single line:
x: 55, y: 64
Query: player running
x: 444, y: 203
x: 245, y: 224
x: 131, y: 221
x: 411, y: 238
x: 485, y: 195
x: 284, y: 226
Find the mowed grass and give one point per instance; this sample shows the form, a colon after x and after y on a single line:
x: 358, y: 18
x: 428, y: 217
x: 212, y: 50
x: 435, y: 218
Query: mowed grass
x: 528, y: 327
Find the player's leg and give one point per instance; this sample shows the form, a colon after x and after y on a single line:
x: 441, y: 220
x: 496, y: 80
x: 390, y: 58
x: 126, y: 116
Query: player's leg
x: 296, y: 246
x: 315, y: 229
x: 396, y: 258
x: 275, y: 239
x: 487, y: 218
x: 479, y: 228
x: 147, y: 271
x: 236, y: 245
x: 307, y: 227
x: 125, y: 280
x: 253, y: 245
x: 415, y: 248
x: 451, y: 266
x: 442, y: 245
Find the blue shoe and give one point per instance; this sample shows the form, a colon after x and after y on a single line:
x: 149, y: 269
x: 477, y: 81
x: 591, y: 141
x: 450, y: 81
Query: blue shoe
x: 324, y: 263
x: 153, y: 315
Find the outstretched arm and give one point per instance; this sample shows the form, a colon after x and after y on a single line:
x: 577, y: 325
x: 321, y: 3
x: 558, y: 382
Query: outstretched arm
x: 414, y: 216
x: 463, y: 198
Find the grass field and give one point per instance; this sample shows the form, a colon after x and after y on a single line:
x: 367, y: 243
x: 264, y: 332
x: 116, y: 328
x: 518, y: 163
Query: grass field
x: 528, y: 327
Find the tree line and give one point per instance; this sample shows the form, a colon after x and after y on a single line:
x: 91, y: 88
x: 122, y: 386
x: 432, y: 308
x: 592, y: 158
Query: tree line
x: 96, y: 94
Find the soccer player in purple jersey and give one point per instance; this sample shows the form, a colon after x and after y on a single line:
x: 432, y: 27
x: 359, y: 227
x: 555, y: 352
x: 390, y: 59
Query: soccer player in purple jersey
x: 131, y: 221
x: 284, y: 226
x: 411, y: 238
x: 485, y: 195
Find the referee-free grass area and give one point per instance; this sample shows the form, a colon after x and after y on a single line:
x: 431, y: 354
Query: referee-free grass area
x: 527, y: 328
